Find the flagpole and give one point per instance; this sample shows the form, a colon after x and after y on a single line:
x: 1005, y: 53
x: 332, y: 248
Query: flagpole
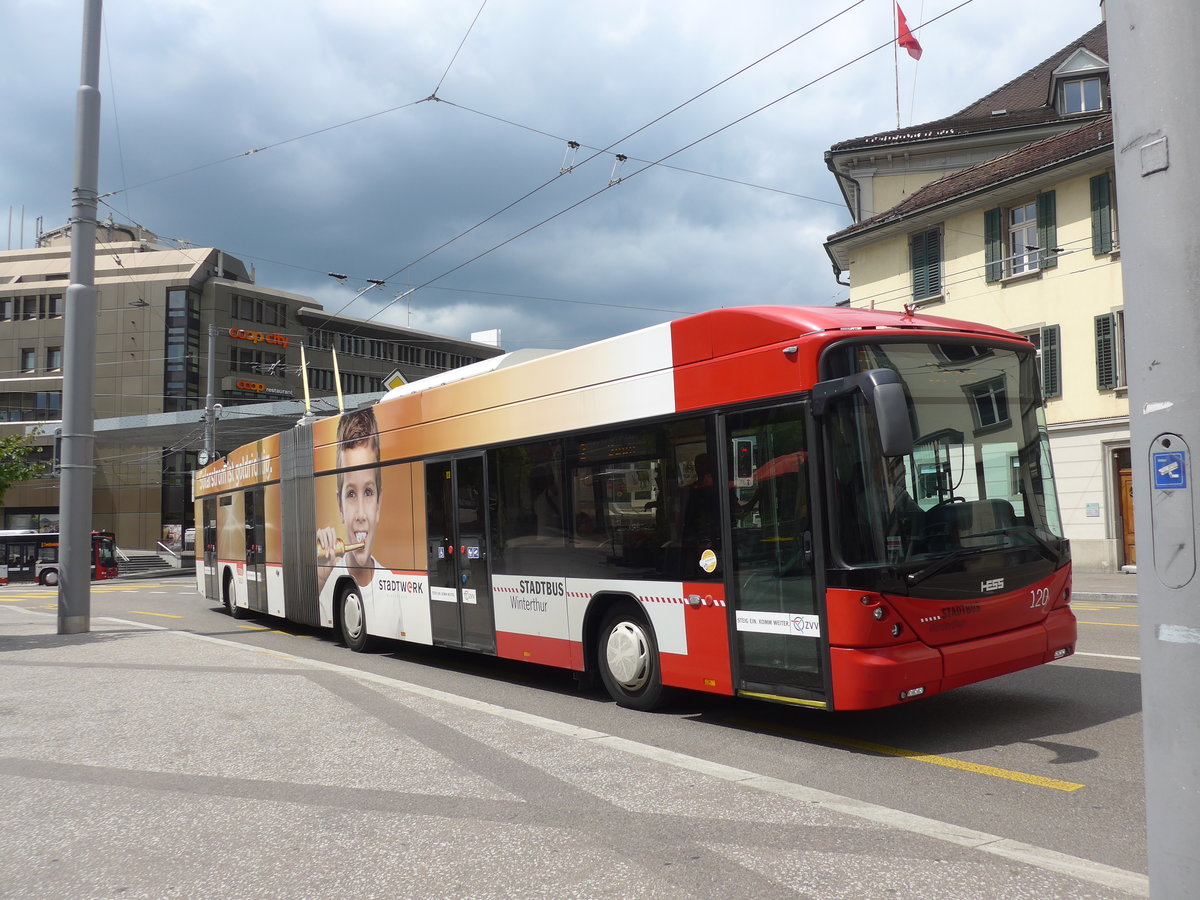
x: 896, y: 57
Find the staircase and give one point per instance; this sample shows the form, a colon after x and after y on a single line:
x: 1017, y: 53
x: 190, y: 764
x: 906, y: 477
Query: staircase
x: 143, y: 564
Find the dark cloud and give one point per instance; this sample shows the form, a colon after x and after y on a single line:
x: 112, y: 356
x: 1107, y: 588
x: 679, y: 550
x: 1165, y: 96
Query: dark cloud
x: 191, y: 83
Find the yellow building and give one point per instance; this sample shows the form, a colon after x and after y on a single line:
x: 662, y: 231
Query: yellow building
x: 1005, y: 213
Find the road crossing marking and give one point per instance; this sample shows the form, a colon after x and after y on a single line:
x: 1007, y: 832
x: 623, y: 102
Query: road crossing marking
x: 141, y: 612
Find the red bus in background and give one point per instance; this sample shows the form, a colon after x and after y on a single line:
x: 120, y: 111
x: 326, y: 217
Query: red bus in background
x: 33, y: 556
x: 828, y: 507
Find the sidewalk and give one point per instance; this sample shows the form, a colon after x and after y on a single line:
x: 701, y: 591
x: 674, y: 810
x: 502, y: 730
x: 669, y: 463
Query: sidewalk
x: 1104, y: 587
x: 146, y: 763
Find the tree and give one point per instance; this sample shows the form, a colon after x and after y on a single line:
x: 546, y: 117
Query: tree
x: 17, y: 461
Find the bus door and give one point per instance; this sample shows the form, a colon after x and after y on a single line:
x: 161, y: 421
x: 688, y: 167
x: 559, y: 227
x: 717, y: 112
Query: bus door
x: 773, y: 580
x: 456, y: 528
x: 212, y: 589
x: 22, y: 559
x: 256, y: 550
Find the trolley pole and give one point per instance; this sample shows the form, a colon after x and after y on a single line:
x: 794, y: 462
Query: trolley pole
x: 79, y: 366
x: 1157, y: 149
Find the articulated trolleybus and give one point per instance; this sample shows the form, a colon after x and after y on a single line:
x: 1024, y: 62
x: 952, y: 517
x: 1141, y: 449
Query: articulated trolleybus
x: 830, y: 507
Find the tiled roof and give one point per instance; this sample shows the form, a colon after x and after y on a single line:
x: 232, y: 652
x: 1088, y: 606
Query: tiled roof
x: 1023, y: 100
x: 1094, y: 135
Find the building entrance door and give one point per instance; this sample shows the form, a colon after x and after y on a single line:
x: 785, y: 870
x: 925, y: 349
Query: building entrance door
x: 1125, y: 491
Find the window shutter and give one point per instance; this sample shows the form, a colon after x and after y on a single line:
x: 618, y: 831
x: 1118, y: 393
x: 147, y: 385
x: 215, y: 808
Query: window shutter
x: 1051, y: 369
x: 933, y: 262
x: 926, y: 264
x: 993, y: 244
x: 1106, y: 353
x: 917, y: 247
x: 1047, y: 230
x: 1101, y: 214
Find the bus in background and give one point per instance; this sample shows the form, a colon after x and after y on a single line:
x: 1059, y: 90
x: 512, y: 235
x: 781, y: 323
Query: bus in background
x: 32, y: 556
x: 829, y: 507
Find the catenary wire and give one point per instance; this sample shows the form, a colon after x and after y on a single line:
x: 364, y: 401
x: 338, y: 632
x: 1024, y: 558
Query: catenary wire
x: 459, y: 48
x: 740, y: 119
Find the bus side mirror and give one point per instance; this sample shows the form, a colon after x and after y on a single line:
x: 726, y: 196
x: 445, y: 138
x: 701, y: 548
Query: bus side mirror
x: 884, y: 393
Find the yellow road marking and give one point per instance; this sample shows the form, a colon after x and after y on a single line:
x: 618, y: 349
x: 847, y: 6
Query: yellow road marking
x: 140, y: 612
x: 945, y: 761
x: 1111, y: 624
x: 977, y: 768
x: 1093, y: 608
x: 274, y: 631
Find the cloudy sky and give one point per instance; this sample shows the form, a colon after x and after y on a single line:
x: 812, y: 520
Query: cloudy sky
x: 359, y: 172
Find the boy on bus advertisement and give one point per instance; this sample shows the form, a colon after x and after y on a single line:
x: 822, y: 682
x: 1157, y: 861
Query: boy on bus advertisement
x: 354, y: 546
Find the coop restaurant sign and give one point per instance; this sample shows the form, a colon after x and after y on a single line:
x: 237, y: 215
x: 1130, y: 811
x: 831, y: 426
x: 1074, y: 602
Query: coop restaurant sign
x: 257, y: 337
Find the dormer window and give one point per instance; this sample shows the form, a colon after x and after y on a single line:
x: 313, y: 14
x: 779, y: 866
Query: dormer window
x: 1080, y: 95
x: 1078, y: 85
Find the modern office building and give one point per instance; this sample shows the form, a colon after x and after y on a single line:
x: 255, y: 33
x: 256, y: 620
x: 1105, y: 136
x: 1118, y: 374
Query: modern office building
x: 156, y: 303
x: 1006, y: 212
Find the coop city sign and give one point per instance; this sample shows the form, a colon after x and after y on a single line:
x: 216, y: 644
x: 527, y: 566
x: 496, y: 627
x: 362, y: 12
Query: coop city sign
x: 257, y: 337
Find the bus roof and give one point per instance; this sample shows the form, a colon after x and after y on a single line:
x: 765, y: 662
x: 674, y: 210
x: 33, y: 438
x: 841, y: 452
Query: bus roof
x: 714, y: 358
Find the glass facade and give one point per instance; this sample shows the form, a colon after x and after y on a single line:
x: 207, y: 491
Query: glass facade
x: 181, y: 378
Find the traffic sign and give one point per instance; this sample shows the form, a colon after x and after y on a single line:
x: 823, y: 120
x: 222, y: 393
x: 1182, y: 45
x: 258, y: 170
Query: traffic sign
x: 1169, y: 470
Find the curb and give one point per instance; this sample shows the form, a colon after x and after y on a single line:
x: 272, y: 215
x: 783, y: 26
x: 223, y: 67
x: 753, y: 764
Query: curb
x: 1102, y: 597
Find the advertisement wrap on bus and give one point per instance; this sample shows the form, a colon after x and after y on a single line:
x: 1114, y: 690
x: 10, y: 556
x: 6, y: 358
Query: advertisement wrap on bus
x: 828, y: 507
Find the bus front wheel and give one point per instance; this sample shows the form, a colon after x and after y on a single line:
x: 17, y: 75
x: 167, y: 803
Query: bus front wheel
x: 353, y: 620
x: 50, y: 577
x: 627, y: 655
x: 228, y: 599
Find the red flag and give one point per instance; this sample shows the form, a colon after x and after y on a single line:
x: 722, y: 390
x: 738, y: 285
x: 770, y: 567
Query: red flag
x: 904, y: 37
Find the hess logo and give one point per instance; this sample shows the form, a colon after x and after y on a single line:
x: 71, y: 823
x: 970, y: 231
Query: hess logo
x: 991, y: 585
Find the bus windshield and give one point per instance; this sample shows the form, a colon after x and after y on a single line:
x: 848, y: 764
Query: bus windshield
x: 978, y: 478
x: 106, y: 552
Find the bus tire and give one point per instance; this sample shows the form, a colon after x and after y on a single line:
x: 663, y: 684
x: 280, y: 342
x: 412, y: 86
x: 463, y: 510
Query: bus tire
x: 228, y: 599
x: 627, y: 657
x: 352, y: 619
x: 50, y: 577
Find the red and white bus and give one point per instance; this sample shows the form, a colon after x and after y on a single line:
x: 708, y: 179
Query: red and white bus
x: 830, y: 507
x: 27, y: 555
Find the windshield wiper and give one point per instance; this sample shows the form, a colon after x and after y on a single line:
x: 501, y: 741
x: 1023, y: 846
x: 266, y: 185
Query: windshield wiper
x: 1044, y: 547
x: 933, y: 568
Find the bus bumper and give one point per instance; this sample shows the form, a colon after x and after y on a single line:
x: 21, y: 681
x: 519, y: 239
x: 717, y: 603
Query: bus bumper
x: 886, y: 676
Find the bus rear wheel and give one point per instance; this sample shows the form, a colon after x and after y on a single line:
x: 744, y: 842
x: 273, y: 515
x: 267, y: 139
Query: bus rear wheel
x: 50, y: 577
x: 353, y: 620
x: 627, y: 655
